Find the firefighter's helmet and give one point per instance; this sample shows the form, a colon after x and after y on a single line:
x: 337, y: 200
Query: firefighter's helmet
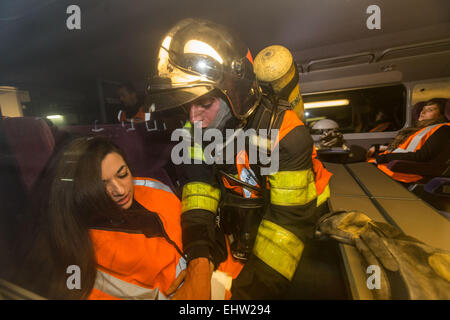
x: 197, y: 57
x: 324, y: 125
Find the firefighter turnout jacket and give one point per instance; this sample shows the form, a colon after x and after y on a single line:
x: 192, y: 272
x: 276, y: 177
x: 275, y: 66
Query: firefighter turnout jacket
x: 276, y: 212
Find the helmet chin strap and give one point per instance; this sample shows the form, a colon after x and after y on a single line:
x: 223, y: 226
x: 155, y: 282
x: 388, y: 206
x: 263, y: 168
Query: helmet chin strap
x: 223, y: 115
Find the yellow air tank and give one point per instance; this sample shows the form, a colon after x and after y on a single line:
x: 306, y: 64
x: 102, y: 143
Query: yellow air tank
x: 275, y: 66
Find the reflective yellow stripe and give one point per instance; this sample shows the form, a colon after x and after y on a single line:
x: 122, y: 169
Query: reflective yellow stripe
x: 187, y: 125
x: 196, y: 152
x: 292, y: 188
x: 199, y: 195
x: 278, y: 248
x: 321, y: 198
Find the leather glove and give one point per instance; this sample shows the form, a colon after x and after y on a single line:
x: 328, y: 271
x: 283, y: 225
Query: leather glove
x: 424, y: 270
x: 195, y: 281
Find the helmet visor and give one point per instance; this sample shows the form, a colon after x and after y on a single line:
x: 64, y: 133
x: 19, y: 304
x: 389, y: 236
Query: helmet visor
x: 164, y: 97
x: 198, y: 64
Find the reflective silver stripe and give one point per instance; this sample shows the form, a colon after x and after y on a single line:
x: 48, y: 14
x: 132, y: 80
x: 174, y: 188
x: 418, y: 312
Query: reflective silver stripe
x: 180, y: 266
x: 153, y: 184
x: 415, y: 141
x: 124, y: 290
x: 119, y: 115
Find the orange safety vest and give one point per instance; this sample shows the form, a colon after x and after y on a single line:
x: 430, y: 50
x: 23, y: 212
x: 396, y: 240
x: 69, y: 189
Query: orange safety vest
x: 290, y: 121
x: 138, y: 117
x: 132, y: 266
x: 381, y: 127
x: 412, y: 144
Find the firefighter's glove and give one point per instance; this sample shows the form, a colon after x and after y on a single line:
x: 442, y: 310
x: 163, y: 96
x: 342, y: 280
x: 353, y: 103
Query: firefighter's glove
x: 424, y: 270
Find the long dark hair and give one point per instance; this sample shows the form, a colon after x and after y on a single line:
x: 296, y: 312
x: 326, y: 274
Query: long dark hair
x: 418, y: 125
x: 69, y: 198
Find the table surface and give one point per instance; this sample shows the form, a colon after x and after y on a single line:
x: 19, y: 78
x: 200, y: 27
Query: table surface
x: 363, y: 187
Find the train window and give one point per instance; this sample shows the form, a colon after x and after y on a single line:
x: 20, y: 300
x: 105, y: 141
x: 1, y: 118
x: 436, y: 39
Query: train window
x: 59, y: 106
x: 373, y: 109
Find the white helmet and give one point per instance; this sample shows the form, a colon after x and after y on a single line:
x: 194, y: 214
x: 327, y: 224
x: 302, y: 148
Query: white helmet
x: 325, y: 124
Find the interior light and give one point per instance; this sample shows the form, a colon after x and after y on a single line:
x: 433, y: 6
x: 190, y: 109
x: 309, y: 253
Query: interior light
x: 315, y: 119
x: 327, y: 104
x: 55, y: 116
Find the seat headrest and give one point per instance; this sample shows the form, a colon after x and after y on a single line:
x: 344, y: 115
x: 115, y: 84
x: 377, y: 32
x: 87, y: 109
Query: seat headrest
x: 31, y: 140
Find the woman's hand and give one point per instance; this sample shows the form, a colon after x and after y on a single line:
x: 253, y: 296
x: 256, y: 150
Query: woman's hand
x: 373, y: 149
x: 197, y: 281
x: 370, y: 152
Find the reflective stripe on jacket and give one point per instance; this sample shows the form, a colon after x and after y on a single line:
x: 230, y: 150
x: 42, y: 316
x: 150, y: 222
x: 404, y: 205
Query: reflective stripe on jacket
x: 278, y: 247
x: 321, y: 175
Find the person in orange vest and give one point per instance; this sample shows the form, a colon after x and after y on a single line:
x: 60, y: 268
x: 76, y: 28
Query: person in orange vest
x: 382, y: 123
x: 267, y: 218
x: 100, y: 233
x: 422, y: 142
x: 133, y: 109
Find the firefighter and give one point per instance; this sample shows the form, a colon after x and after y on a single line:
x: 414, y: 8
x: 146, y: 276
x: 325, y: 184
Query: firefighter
x: 133, y: 110
x: 267, y: 218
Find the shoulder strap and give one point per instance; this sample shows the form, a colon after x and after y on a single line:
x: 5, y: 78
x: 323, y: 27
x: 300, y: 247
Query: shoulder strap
x: 269, y: 114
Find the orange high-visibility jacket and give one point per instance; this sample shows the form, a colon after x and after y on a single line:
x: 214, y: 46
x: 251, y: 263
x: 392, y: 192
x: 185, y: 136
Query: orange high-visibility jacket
x: 133, y: 266
x: 138, y: 117
x: 412, y: 144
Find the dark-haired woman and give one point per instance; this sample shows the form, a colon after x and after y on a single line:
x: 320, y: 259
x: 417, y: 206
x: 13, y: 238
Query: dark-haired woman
x: 423, y: 142
x: 120, y: 235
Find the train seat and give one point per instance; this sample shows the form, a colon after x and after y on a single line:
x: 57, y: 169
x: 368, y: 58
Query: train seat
x: 31, y: 141
x: 147, y: 152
